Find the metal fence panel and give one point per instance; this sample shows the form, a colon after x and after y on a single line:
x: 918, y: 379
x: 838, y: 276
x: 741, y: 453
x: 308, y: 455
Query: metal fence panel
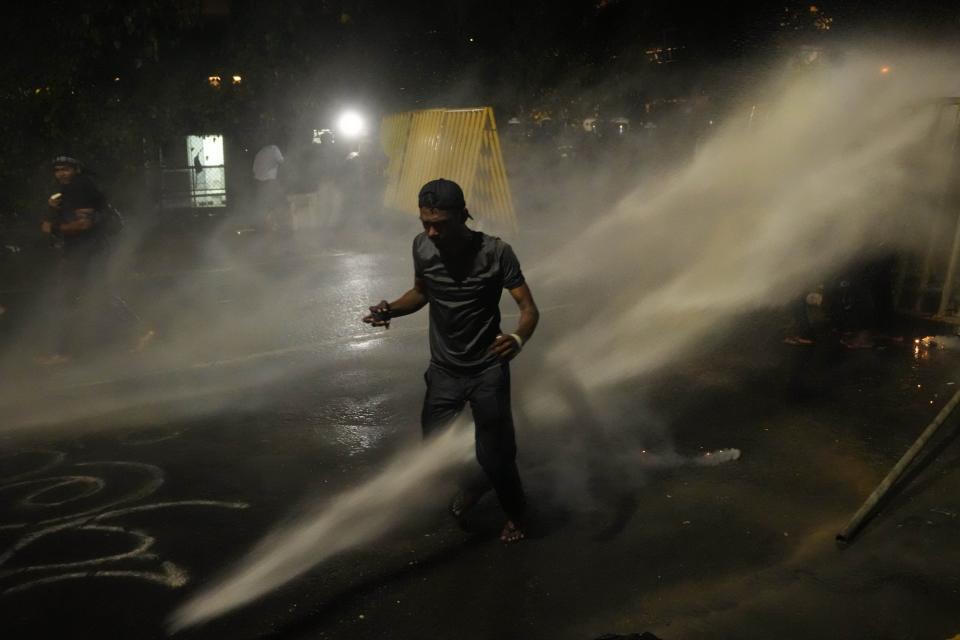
x: 458, y: 144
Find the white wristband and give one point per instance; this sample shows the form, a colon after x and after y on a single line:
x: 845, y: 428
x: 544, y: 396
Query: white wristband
x: 518, y: 339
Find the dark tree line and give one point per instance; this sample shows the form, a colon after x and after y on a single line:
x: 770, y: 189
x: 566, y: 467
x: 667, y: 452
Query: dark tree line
x: 110, y: 81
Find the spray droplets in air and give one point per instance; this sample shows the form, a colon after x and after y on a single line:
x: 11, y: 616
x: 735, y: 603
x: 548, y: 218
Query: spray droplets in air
x: 825, y: 172
x: 837, y: 163
x: 353, y: 519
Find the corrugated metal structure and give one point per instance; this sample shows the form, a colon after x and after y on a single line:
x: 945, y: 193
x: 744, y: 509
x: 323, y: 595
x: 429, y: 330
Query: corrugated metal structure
x: 457, y: 144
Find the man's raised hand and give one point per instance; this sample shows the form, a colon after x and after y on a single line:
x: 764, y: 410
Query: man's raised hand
x: 379, y: 315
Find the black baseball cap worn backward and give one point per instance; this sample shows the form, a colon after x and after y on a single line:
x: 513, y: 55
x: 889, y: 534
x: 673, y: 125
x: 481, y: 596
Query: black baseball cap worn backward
x: 442, y: 194
x: 61, y: 161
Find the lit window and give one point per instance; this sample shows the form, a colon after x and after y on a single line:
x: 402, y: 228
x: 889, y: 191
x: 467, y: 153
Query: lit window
x: 205, y: 166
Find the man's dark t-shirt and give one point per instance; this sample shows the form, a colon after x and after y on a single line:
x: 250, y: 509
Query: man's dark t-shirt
x: 81, y: 193
x: 464, y: 295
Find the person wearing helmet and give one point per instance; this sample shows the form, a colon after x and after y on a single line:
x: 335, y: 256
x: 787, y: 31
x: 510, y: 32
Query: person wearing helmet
x: 461, y: 273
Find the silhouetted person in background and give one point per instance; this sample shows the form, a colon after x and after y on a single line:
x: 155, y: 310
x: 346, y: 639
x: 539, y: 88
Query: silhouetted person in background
x: 269, y: 197
x: 73, y: 224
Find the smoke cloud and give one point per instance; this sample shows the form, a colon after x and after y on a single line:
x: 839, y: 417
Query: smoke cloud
x: 353, y: 519
x: 838, y: 163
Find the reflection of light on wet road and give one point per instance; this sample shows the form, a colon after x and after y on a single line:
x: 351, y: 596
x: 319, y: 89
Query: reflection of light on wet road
x: 358, y: 272
x: 355, y: 424
x: 922, y: 347
x: 356, y: 438
x: 363, y: 345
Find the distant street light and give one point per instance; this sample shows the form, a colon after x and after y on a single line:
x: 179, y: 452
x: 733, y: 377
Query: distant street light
x: 214, y: 81
x: 237, y: 79
x: 351, y: 125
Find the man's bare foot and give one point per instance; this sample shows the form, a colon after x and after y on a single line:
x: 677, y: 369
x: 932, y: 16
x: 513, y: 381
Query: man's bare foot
x: 511, y: 533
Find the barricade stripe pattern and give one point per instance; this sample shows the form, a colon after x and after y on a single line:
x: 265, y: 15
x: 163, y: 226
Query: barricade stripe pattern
x: 457, y: 144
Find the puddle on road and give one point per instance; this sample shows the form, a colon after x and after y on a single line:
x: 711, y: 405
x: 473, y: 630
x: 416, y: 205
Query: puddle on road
x: 352, y: 423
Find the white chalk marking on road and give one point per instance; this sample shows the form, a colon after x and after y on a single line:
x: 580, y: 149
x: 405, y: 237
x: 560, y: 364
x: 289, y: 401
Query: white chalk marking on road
x: 167, y: 505
x: 154, y: 482
x: 94, y: 485
x: 86, y: 521
x: 173, y: 577
x: 144, y: 543
x: 56, y: 457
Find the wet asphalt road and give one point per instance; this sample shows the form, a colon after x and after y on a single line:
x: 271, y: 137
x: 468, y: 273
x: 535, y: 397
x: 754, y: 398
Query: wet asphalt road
x: 112, y: 517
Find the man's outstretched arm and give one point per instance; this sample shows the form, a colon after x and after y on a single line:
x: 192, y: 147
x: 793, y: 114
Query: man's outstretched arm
x: 410, y: 302
x: 506, y: 346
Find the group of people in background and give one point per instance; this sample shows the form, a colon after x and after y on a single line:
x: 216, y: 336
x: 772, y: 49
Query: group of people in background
x: 313, y: 184
x: 854, y: 306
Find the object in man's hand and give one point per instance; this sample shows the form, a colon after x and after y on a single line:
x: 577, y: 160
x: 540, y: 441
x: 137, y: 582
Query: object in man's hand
x: 381, y: 313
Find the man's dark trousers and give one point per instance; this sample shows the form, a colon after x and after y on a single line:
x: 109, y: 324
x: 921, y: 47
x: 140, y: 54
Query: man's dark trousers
x: 83, y: 298
x: 488, y: 393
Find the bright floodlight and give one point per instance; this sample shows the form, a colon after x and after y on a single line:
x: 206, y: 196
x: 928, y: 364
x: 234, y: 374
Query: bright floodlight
x: 350, y: 124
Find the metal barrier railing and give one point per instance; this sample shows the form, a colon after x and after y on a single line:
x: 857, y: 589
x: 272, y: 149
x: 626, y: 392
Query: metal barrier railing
x: 186, y: 188
x: 457, y: 144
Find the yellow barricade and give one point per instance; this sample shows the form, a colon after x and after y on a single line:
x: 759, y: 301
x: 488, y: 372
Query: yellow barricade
x: 456, y: 144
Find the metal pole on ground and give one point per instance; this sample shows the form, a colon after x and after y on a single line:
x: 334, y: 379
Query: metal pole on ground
x: 884, y: 487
